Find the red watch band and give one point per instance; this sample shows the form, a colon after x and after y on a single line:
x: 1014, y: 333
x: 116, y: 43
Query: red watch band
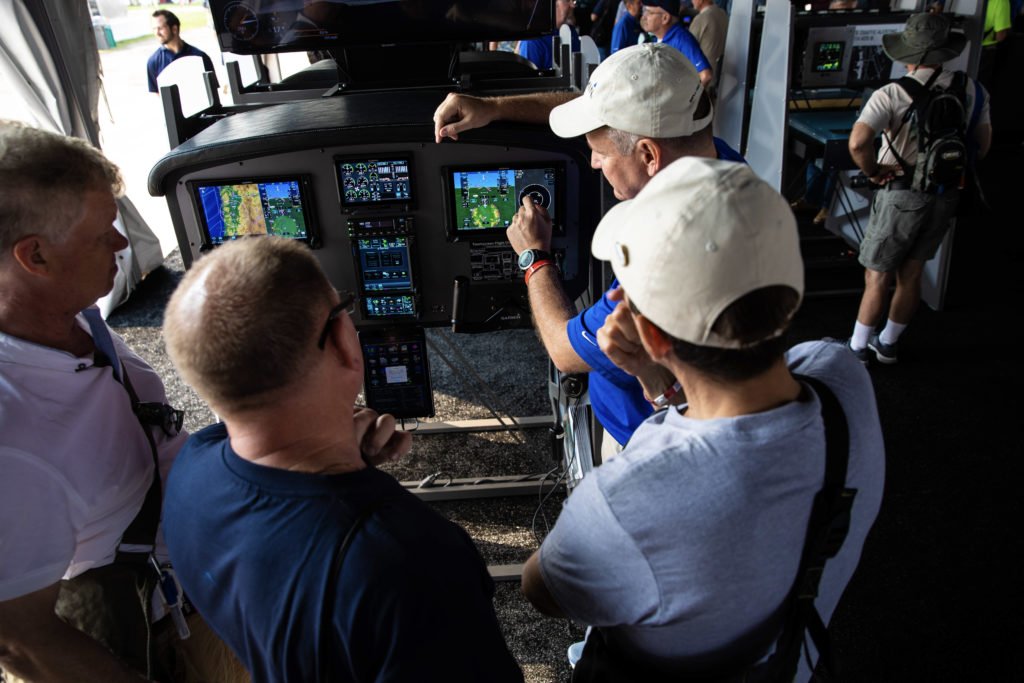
x: 534, y: 267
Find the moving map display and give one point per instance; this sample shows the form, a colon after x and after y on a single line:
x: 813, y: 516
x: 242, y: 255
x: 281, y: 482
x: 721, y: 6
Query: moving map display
x: 234, y: 209
x: 487, y: 198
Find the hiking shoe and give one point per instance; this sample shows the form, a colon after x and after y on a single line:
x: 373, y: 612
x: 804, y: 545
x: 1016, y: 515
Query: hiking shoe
x: 885, y: 353
x: 863, y: 355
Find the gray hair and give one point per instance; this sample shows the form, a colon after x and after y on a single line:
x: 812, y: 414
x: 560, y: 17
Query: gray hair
x: 42, y: 176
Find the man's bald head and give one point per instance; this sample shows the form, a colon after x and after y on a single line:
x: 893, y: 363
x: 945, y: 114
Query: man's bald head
x: 244, y: 321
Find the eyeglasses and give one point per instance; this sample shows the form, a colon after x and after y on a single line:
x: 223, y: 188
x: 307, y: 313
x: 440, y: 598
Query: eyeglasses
x: 347, y: 305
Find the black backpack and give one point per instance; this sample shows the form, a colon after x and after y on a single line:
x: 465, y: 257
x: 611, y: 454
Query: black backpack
x: 938, y: 119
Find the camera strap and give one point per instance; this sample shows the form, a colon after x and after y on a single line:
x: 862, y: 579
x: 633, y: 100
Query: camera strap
x: 139, y: 538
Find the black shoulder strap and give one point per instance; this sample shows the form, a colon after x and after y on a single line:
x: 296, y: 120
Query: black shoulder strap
x: 917, y: 94
x: 826, y: 532
x: 328, y: 657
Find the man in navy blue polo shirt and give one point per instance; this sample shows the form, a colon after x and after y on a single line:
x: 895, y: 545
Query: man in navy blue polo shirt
x: 643, y: 108
x: 661, y: 17
x: 167, y: 29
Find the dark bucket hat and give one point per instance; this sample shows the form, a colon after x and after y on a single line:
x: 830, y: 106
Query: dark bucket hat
x: 926, y: 39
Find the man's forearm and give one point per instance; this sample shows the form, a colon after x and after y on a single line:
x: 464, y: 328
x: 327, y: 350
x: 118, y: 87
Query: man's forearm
x: 530, y: 108
x: 552, y: 310
x: 63, y: 653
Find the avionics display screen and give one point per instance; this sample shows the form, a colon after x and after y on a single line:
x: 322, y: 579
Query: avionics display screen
x: 397, y: 378
x: 828, y: 56
x: 367, y: 182
x: 229, y: 209
x: 259, y: 26
x: 483, y: 200
x: 385, y: 263
x: 389, y: 306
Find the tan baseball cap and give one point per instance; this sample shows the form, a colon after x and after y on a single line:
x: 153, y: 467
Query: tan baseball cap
x: 651, y: 90
x: 700, y: 235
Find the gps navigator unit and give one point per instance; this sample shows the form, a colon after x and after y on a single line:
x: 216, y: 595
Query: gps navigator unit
x: 229, y: 209
x: 483, y: 199
x: 371, y: 181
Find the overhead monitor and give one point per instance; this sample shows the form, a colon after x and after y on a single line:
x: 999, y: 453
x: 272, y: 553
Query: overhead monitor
x: 482, y: 200
x: 369, y: 181
x: 229, y: 209
x: 262, y: 26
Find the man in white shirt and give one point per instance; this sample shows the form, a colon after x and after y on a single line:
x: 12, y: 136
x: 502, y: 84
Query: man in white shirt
x: 78, y: 465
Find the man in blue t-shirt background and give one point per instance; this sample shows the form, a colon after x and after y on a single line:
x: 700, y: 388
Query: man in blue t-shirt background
x: 538, y: 50
x: 634, y: 127
x: 661, y: 17
x: 626, y: 32
x: 167, y: 29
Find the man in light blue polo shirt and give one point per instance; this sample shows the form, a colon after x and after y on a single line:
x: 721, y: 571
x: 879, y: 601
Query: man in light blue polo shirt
x: 661, y: 17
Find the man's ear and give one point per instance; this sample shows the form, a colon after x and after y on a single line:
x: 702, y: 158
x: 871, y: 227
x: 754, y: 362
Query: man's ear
x: 655, y: 341
x: 346, y: 344
x: 29, y: 252
x: 650, y: 155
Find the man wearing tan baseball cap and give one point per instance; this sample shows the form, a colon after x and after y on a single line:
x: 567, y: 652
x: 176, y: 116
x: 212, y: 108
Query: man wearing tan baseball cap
x: 681, y: 551
x: 643, y: 108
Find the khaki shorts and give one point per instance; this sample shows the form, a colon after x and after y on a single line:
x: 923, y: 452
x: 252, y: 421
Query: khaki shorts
x: 905, y: 224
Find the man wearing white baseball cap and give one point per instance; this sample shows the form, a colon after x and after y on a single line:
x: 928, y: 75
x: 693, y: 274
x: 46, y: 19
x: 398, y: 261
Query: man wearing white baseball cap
x: 643, y: 108
x: 682, y: 552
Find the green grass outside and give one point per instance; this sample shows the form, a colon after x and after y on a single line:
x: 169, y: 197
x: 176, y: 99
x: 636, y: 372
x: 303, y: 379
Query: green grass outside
x: 191, y: 16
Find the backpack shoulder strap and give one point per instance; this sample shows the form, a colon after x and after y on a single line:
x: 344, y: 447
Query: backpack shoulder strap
x: 826, y: 532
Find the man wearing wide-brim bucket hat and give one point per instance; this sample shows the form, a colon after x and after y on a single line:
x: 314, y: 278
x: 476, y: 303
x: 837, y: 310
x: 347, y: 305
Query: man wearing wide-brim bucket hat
x: 907, y: 225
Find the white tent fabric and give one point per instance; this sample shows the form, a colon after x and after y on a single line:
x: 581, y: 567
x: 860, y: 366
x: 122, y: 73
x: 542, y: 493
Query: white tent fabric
x: 50, y: 78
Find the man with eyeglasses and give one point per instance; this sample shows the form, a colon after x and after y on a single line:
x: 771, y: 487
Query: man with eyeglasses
x: 643, y: 108
x: 661, y: 17
x: 86, y: 435
x: 311, y: 563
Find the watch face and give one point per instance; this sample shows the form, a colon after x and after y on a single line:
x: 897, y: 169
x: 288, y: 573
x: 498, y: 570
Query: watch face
x: 527, y: 258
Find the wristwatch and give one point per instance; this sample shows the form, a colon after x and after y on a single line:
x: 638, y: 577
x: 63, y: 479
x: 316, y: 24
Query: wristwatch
x: 532, y: 256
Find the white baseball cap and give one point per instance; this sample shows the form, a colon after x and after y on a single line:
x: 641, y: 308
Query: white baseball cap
x: 651, y: 90
x: 700, y: 235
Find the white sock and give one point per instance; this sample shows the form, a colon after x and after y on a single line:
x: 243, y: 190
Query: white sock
x: 861, y: 334
x: 891, y: 333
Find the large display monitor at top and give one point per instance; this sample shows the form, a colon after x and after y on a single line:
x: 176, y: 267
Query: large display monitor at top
x: 229, y: 209
x: 261, y: 26
x: 483, y: 199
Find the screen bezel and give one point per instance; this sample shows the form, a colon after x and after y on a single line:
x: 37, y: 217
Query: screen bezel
x: 357, y: 207
x: 456, y: 234
x: 305, y: 182
x: 410, y: 250
x: 399, y: 335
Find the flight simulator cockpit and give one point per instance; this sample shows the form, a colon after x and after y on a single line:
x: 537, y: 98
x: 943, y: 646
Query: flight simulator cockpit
x: 342, y: 157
